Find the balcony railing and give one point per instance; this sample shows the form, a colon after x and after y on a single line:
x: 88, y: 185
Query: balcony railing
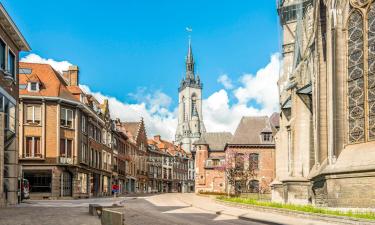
x: 65, y: 160
x: 31, y: 156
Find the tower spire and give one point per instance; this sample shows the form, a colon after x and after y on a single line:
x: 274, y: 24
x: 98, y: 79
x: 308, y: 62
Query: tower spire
x: 190, y: 63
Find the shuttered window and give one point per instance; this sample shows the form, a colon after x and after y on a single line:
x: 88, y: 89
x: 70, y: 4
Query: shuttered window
x: 66, y: 148
x: 33, y: 114
x: 32, y: 148
x: 66, y: 118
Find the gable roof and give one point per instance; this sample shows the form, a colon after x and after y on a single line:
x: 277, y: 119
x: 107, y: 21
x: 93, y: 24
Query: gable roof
x: 168, y: 147
x: 275, y: 120
x: 249, y: 131
x: 132, y: 129
x: 51, y: 82
x: 216, y: 141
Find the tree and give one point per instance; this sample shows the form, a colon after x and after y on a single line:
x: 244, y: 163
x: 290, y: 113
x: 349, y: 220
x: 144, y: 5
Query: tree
x: 240, y: 178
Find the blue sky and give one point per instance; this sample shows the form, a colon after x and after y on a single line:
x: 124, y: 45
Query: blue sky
x: 122, y: 47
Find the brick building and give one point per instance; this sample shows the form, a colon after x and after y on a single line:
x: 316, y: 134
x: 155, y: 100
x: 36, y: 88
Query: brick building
x: 209, y: 152
x: 130, y: 158
x: 136, y: 132
x: 11, y: 43
x: 65, y: 135
x: 253, y: 148
x: 121, y: 158
x: 175, y: 165
x: 155, y: 167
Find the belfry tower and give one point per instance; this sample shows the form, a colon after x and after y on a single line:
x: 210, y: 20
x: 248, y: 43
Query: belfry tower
x: 190, y: 120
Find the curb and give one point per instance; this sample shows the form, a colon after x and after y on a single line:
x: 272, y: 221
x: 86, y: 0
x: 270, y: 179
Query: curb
x: 235, y: 216
x: 306, y: 215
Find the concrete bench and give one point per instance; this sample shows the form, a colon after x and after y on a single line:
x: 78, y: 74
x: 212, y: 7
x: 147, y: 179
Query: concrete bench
x: 111, y: 217
x: 95, y: 209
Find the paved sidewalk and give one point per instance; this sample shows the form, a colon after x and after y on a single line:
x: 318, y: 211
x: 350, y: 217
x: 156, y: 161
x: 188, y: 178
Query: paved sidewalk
x: 72, y: 202
x: 209, y: 204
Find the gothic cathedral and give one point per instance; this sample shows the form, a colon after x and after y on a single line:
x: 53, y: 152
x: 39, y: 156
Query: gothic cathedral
x: 190, y: 121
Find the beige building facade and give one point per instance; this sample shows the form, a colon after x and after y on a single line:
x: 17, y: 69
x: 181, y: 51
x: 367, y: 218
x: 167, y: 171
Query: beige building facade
x: 65, y: 137
x: 325, y: 145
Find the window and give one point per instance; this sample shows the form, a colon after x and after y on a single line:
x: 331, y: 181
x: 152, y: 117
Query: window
x: 105, y: 184
x: 9, y: 110
x: 2, y: 55
x: 109, y: 161
x: 66, y: 148
x: 33, y: 86
x: 32, y: 148
x: 216, y: 162
x: 239, y: 161
x: 25, y: 70
x: 66, y: 119
x: 33, y: 114
x: 83, y: 123
x: 12, y: 64
x: 254, y: 161
x: 193, y: 103
x: 40, y: 181
x: 83, y: 152
x: 253, y: 186
x: 93, y: 158
x: 82, y: 183
x: 267, y: 137
x: 104, y: 160
x: 361, y: 74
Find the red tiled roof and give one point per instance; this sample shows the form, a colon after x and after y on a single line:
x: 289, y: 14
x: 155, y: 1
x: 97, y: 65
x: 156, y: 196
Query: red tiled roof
x: 51, y: 82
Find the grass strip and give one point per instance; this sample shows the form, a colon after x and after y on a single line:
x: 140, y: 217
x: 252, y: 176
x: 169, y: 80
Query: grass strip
x: 300, y: 208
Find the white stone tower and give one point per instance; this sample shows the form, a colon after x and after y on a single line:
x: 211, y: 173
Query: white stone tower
x: 190, y: 120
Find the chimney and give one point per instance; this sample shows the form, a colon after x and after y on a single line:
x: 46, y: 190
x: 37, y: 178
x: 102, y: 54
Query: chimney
x: 157, y: 138
x: 73, y: 75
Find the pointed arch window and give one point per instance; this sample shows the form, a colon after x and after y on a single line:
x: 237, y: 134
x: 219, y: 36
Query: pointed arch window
x: 184, y: 109
x: 193, y: 103
x: 356, y: 78
x: 361, y: 73
x: 371, y: 72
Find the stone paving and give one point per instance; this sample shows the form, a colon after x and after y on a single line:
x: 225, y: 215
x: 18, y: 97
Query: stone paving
x: 163, y: 209
x: 47, y: 216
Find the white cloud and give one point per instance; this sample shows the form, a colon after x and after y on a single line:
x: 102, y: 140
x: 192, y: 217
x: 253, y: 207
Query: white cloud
x: 158, y: 119
x: 225, y: 81
x: 262, y: 87
x: 219, y: 113
x: 222, y: 115
x: 57, y: 65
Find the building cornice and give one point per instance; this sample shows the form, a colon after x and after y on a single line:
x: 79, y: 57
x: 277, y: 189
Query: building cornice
x: 71, y: 102
x: 12, y: 30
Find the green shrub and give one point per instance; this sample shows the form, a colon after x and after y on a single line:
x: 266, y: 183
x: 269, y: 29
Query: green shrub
x: 214, y: 193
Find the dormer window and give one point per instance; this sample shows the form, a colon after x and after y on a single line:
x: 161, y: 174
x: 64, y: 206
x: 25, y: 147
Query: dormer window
x: 266, y: 137
x: 33, y: 86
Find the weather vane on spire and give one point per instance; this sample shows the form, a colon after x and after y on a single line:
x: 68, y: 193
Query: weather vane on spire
x: 189, y: 30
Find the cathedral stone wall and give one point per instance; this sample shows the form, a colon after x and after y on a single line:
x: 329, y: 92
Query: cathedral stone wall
x: 325, y: 148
